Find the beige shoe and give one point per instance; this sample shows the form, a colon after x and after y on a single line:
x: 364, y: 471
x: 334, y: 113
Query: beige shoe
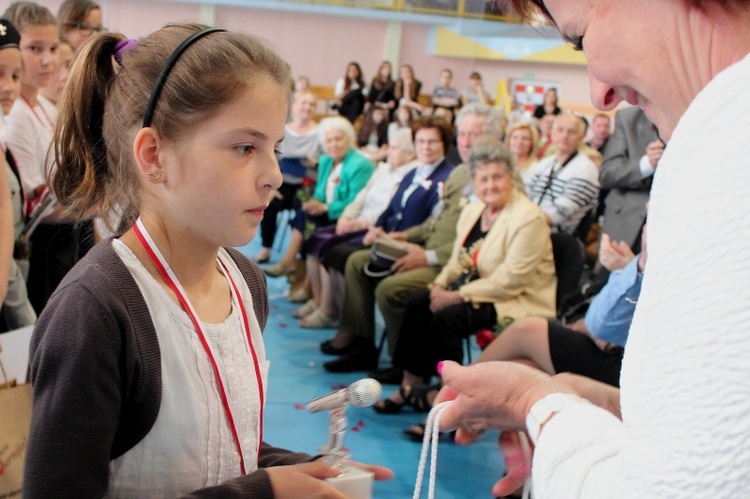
x: 305, y: 309
x: 318, y: 320
x: 277, y: 270
x: 299, y: 295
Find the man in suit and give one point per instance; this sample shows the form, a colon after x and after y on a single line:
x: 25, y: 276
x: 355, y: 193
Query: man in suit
x: 630, y: 159
x: 429, y: 247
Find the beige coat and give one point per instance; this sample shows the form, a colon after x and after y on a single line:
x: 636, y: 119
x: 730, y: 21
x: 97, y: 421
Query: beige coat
x: 515, y: 263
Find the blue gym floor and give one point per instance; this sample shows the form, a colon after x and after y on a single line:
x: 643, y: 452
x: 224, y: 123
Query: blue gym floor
x: 297, y: 376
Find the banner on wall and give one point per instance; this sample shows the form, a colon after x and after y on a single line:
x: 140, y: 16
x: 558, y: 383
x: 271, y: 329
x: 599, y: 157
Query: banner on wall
x: 530, y: 93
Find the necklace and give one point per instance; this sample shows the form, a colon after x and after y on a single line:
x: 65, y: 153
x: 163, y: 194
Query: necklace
x: 488, y: 219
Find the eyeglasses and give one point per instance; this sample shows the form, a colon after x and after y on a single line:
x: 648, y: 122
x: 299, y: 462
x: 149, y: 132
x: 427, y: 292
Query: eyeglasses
x: 89, y: 29
x: 428, y: 142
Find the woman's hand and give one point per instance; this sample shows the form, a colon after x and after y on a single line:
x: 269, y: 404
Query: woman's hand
x: 372, y: 234
x: 614, y: 255
x: 441, y: 298
x: 492, y: 395
x: 344, y: 225
x: 314, y: 207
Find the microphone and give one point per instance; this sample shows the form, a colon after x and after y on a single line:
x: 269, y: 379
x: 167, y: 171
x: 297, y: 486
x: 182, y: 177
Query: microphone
x: 362, y: 393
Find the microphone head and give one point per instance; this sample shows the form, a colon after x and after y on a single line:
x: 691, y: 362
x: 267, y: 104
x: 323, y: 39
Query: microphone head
x: 364, y: 393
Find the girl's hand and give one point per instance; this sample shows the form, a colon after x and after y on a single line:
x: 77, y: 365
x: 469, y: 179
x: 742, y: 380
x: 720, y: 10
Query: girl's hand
x: 307, y: 480
x: 441, y: 298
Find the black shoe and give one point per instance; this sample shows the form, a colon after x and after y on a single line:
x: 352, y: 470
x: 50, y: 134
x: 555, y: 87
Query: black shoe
x: 327, y: 348
x: 388, y: 376
x: 362, y: 359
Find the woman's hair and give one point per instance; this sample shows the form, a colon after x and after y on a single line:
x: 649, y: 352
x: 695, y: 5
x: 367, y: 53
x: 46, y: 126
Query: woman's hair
x: 359, y: 80
x: 368, y: 126
x: 492, y: 117
x: 533, y: 133
x: 442, y: 126
x: 379, y: 76
x: 72, y: 12
x: 23, y: 14
x: 336, y: 123
x: 489, y: 150
x: 405, y: 139
x: 102, y: 108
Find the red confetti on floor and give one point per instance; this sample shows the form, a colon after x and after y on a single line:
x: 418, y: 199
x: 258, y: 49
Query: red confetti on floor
x: 299, y: 407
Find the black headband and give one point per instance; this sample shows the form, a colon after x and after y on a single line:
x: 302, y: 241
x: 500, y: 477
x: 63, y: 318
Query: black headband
x: 148, y: 116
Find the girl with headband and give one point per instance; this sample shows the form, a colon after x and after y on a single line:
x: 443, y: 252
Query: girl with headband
x: 148, y: 363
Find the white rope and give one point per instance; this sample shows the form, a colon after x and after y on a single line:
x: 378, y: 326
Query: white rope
x: 431, y: 438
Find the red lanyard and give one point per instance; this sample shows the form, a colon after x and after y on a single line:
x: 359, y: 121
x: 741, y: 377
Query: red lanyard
x: 33, y: 110
x: 168, y: 275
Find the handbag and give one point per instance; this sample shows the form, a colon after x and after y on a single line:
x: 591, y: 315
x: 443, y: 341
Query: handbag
x: 15, y: 418
x: 385, y: 251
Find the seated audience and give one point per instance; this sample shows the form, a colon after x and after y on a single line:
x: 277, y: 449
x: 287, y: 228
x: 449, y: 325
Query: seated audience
x: 601, y: 129
x: 546, y: 148
x: 566, y: 184
x: 429, y: 246
x: 475, y: 92
x: 403, y: 118
x: 372, y: 137
x: 592, y: 346
x: 299, y: 156
x: 523, y: 141
x: 342, y: 173
x: 444, y: 95
x: 412, y: 203
x: 549, y: 105
x: 380, y: 94
x: 407, y: 88
x: 349, y: 93
x: 501, y: 266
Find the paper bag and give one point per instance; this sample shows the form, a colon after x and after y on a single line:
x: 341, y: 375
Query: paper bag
x: 15, y: 417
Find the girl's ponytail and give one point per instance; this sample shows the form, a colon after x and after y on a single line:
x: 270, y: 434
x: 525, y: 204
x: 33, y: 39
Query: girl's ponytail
x: 80, y: 152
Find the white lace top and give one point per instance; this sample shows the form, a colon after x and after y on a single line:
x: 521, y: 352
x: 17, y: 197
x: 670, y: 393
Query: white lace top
x: 190, y: 445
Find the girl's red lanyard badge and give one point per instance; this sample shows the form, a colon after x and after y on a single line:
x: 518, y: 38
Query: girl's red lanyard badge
x: 49, y: 122
x: 168, y: 275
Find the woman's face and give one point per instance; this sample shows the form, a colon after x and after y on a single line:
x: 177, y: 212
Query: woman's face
x: 385, y: 71
x: 405, y: 73
x: 551, y: 97
x: 493, y: 184
x: 520, y: 143
x: 396, y: 156
x: 39, y: 52
x: 304, y: 106
x: 64, y: 61
x: 10, y: 77
x: 636, y: 58
x: 91, y: 24
x: 336, y: 144
x: 429, y: 146
x: 352, y: 72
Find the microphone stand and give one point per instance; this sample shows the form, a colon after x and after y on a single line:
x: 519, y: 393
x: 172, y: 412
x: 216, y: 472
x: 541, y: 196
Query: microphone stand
x: 334, y: 451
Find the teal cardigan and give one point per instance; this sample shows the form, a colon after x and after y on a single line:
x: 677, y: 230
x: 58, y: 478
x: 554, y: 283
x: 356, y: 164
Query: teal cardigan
x: 355, y: 172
